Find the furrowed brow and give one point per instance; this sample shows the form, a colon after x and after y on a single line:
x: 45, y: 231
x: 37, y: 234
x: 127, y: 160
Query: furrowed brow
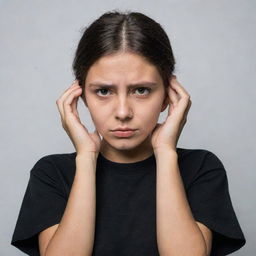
x: 99, y: 84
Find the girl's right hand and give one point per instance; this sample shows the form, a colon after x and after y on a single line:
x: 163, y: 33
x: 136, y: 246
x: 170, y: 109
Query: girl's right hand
x: 82, y: 140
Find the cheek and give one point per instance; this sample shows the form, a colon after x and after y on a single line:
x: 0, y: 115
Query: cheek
x: 98, y: 116
x: 148, y: 115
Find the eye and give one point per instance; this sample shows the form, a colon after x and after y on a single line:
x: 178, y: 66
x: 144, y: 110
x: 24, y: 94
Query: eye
x: 102, y: 89
x: 140, y: 89
x: 143, y: 89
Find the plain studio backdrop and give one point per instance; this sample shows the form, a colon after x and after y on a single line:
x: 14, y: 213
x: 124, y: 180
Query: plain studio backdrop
x: 214, y: 46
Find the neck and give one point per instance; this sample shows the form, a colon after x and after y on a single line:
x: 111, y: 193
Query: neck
x: 141, y: 152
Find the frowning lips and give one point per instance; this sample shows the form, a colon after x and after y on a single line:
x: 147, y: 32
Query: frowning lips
x: 124, y: 129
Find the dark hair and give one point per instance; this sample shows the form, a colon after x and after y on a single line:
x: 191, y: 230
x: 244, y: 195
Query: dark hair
x: 127, y: 31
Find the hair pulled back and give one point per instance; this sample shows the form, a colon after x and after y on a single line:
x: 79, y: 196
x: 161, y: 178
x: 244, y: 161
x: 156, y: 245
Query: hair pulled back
x: 115, y: 32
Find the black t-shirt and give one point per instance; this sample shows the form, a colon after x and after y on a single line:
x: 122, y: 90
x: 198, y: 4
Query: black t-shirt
x: 126, y: 203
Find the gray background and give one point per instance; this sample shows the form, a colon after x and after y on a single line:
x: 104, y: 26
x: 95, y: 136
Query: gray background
x: 214, y: 45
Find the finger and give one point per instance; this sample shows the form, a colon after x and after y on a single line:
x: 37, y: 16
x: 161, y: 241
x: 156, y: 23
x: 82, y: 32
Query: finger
x: 174, y: 93
x: 173, y: 96
x: 184, y: 96
x: 59, y: 102
x: 186, y: 114
x: 74, y: 106
x: 187, y: 109
x: 70, y: 88
x: 61, y: 99
x: 184, y: 120
x: 74, y: 83
x: 67, y: 109
x: 179, y: 88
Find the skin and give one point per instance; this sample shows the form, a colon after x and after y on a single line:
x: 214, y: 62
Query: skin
x: 111, y: 108
x: 136, y: 108
x: 175, y: 222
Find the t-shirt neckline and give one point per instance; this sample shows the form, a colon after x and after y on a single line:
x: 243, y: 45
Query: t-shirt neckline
x: 147, y: 162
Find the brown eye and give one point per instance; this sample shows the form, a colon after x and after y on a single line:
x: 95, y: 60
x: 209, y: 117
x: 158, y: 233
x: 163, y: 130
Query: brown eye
x: 102, y: 89
x: 142, y: 89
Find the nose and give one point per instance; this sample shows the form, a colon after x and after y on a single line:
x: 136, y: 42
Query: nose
x: 123, y: 109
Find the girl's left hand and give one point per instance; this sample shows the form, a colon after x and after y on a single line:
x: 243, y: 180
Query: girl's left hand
x: 165, y: 135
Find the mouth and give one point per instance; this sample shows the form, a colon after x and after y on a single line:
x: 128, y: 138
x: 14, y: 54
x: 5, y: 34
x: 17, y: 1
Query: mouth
x: 123, y: 133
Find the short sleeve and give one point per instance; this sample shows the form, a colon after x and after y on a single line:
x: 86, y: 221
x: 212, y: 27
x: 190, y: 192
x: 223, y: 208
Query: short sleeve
x: 43, y: 205
x: 210, y: 203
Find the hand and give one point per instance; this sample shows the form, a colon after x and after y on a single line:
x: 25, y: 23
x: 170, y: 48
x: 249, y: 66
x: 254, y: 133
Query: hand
x: 166, y: 135
x: 82, y: 140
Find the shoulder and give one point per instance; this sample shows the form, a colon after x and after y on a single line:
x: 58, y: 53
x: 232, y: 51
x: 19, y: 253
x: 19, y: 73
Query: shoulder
x: 207, y: 191
x: 58, y: 164
x: 199, y: 157
x: 195, y: 162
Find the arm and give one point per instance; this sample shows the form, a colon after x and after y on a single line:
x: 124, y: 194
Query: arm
x: 177, y: 231
x: 75, y: 233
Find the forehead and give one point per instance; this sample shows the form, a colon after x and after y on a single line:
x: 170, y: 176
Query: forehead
x: 122, y: 68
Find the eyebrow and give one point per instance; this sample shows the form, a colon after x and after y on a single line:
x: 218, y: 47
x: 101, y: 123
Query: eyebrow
x: 129, y: 85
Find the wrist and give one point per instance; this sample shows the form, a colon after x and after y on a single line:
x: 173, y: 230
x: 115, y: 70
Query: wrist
x: 87, y: 157
x: 165, y: 152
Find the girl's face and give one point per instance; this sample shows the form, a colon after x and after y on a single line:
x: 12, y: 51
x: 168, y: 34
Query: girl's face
x: 124, y: 90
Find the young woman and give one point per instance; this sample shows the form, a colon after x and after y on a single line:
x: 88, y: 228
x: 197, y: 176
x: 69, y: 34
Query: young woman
x: 127, y: 189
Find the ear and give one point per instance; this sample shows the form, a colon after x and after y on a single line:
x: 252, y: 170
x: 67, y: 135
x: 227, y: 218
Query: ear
x: 83, y: 97
x: 83, y: 92
x: 84, y: 100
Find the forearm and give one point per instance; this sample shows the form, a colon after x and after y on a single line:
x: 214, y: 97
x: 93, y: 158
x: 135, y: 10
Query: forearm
x: 75, y: 233
x: 177, y: 231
